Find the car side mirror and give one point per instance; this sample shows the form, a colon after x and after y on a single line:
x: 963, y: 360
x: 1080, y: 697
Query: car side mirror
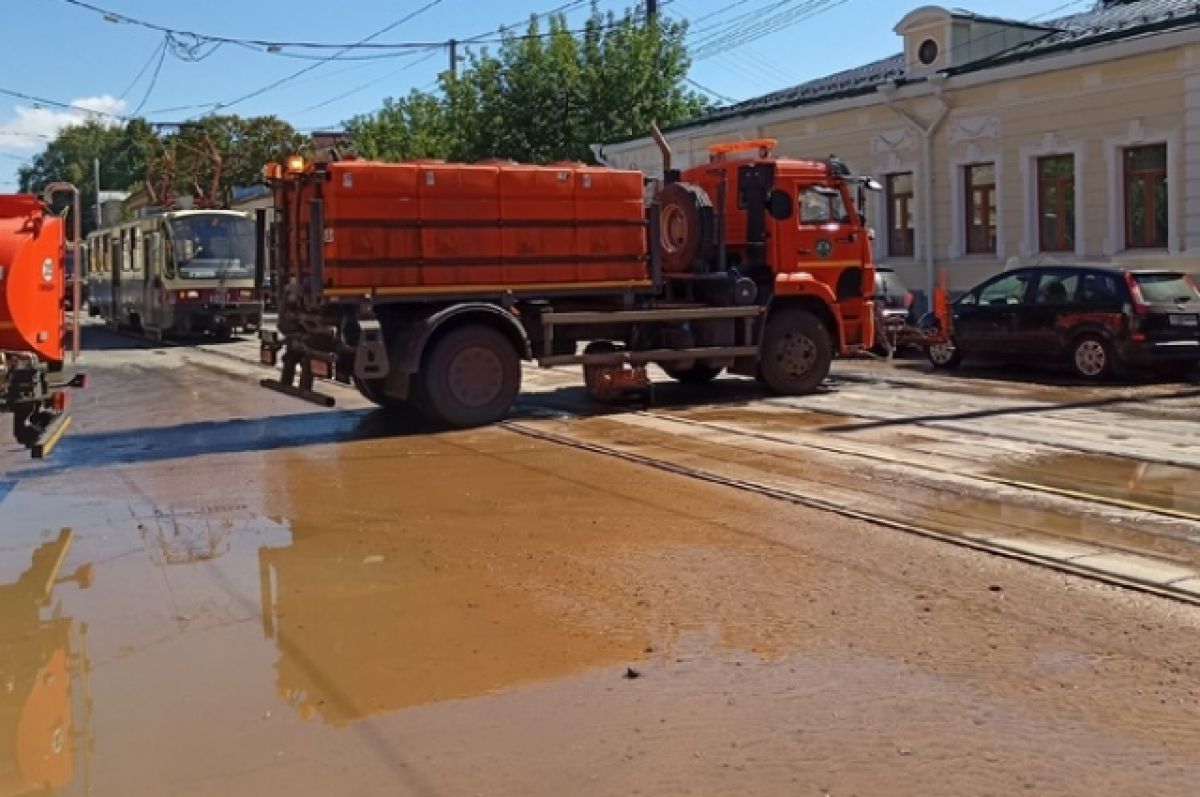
x: 779, y: 205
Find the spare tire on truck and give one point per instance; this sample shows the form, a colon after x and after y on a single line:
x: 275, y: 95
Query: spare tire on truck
x: 687, y: 227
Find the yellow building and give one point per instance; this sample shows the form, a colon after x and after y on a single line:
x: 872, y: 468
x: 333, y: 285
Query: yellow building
x: 1002, y: 142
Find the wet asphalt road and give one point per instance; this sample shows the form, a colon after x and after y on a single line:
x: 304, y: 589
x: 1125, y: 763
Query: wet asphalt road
x: 213, y: 589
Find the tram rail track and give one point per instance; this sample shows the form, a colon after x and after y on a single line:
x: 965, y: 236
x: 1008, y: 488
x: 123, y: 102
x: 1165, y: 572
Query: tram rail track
x: 1110, y: 564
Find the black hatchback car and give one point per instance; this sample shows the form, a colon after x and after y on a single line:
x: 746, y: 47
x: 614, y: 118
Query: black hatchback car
x: 1095, y: 319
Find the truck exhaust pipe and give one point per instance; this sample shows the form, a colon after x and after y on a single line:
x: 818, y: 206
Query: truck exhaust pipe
x: 669, y: 175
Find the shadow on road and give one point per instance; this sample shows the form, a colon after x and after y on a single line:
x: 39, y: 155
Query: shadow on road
x: 99, y: 338
x: 226, y: 437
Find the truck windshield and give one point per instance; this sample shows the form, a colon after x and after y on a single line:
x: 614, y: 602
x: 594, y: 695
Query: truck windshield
x: 213, y: 245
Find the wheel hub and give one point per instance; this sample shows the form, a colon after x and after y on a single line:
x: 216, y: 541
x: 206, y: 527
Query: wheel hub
x: 797, y: 354
x: 1090, y: 358
x: 476, y: 376
x: 941, y: 353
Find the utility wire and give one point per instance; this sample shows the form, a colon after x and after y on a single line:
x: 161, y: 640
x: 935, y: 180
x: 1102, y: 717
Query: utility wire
x: 142, y: 71
x: 162, y: 56
x: 276, y: 84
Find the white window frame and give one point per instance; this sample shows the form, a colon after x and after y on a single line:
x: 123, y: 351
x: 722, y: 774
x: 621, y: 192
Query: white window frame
x: 1114, y: 149
x: 1049, y: 146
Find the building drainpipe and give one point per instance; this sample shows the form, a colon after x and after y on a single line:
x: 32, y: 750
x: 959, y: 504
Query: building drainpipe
x: 926, y: 132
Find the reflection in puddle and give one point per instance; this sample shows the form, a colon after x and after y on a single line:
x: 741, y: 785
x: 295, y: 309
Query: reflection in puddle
x: 470, y: 564
x: 1151, y: 484
x: 39, y: 657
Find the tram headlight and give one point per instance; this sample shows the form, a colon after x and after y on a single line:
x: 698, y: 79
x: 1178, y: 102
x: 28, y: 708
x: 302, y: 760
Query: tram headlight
x: 295, y: 164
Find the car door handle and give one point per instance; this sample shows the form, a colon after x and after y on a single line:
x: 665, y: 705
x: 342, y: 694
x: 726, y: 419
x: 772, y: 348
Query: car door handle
x: 849, y: 239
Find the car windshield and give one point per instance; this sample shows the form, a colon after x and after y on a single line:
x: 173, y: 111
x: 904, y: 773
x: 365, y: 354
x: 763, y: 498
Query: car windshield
x: 212, y: 245
x: 1169, y: 287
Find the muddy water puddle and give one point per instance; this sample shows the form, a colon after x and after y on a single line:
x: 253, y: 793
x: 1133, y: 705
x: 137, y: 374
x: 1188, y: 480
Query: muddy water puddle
x: 287, y: 595
x: 1149, y: 484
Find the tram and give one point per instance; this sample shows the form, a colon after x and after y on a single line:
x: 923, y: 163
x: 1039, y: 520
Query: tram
x: 181, y: 273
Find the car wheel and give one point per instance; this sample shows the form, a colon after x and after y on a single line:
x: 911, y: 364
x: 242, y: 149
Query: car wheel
x: 1092, y: 357
x: 944, y: 355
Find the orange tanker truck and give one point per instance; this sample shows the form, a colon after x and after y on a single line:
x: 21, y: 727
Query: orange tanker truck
x: 427, y: 283
x: 33, y: 327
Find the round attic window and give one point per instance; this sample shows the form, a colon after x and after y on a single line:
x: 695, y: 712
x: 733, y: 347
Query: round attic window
x: 927, y: 52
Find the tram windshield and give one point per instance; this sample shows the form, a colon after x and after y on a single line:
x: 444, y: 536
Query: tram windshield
x: 209, y: 246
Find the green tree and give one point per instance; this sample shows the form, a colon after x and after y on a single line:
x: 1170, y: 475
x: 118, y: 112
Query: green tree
x: 69, y: 157
x: 545, y: 95
x: 204, y: 159
x: 207, y: 158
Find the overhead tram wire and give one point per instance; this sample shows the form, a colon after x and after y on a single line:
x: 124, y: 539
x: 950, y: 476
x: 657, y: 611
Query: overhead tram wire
x: 281, y: 81
x: 153, y: 78
x: 478, y: 39
x: 146, y: 66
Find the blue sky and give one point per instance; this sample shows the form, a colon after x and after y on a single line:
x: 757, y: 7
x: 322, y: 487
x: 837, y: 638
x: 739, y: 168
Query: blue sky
x: 100, y: 60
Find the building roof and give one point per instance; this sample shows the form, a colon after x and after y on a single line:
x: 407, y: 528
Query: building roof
x: 1075, y: 31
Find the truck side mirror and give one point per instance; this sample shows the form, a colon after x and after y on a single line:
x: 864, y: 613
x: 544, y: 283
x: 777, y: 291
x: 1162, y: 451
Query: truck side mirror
x: 780, y: 205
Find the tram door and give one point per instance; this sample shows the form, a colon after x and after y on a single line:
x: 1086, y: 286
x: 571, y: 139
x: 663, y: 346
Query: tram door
x: 117, y: 262
x: 151, y: 282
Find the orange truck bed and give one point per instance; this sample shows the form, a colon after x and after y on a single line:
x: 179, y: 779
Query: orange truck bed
x: 31, y: 278
x: 420, y: 227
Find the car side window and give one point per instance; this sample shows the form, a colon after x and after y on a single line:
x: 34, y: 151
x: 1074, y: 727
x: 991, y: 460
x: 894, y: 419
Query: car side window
x: 1101, y: 289
x: 1057, y: 287
x: 1007, y: 290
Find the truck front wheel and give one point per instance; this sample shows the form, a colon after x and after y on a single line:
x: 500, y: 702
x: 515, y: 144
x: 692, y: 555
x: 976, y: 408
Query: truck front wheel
x: 470, y: 378
x: 796, y: 352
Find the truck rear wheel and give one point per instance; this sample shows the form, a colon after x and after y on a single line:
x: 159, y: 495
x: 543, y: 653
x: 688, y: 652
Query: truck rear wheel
x: 372, y: 390
x: 471, y: 377
x: 796, y: 352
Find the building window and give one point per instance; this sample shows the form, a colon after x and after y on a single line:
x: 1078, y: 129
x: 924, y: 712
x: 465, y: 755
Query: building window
x: 981, y: 208
x: 1056, y: 203
x: 900, y: 214
x: 1146, y: 197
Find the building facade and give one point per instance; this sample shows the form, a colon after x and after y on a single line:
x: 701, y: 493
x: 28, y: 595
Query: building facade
x: 1001, y: 142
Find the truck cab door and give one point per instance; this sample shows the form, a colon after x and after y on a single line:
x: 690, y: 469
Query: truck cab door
x: 827, y: 237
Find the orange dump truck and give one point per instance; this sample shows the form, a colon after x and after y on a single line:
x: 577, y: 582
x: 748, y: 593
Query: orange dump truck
x: 33, y: 328
x: 427, y: 283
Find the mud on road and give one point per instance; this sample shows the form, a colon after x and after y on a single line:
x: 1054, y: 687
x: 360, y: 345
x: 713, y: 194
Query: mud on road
x: 211, y: 589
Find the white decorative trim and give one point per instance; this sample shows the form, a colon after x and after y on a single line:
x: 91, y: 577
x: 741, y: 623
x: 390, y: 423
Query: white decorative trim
x: 1051, y: 145
x: 893, y: 141
x: 1191, y: 157
x: 974, y: 128
x: 1114, y: 146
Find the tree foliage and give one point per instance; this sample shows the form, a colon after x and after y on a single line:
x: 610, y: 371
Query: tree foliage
x: 545, y: 95
x: 70, y: 156
x: 203, y: 160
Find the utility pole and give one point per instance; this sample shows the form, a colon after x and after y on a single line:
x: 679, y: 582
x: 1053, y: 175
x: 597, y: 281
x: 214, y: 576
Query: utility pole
x: 453, y: 44
x: 96, y: 172
x: 651, y: 11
